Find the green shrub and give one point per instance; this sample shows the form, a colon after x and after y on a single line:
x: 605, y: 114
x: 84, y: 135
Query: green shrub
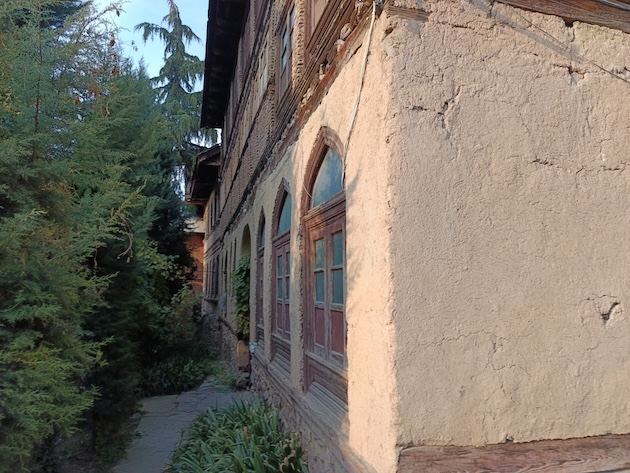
x: 174, y: 360
x: 175, y: 375
x: 240, y: 289
x: 244, y: 438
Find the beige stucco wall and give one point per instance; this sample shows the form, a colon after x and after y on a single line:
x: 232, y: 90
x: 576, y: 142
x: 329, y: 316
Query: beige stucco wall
x: 510, y: 245
x: 487, y: 230
x: 371, y: 430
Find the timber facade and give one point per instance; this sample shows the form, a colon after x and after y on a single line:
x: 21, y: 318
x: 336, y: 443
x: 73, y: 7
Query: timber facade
x: 433, y: 198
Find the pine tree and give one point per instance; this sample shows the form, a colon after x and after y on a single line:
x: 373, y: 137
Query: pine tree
x: 91, y: 228
x: 62, y: 196
x: 177, y: 79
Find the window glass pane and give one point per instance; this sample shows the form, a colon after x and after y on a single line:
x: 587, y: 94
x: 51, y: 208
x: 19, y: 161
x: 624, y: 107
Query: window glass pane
x: 319, y: 286
x: 338, y: 328
x: 320, y: 327
x: 337, y: 242
x: 329, y: 180
x: 288, y: 275
x: 279, y: 317
x: 319, y: 253
x: 337, y: 289
x: 285, y: 39
x: 284, y: 223
x: 261, y: 242
x: 280, y: 279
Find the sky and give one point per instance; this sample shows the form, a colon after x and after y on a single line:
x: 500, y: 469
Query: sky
x: 194, y: 13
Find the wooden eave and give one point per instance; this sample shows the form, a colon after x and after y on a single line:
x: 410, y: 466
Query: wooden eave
x: 610, y: 13
x: 225, y: 24
x: 205, y: 176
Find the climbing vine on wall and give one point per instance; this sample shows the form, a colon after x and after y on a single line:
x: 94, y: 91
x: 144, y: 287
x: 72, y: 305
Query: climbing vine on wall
x: 240, y: 292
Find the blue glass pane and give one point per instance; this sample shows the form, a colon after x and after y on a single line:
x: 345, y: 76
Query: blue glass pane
x: 319, y: 253
x: 319, y: 286
x: 284, y: 224
x: 329, y: 180
x: 280, y: 293
x: 288, y: 275
x: 337, y: 242
x: 261, y: 242
x: 337, y: 289
x: 280, y: 280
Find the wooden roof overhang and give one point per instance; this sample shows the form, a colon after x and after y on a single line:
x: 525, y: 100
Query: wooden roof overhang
x: 205, y: 176
x: 225, y: 24
x: 610, y: 13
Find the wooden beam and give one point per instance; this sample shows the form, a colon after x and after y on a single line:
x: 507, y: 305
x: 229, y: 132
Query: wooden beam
x: 609, y: 453
x: 589, y: 11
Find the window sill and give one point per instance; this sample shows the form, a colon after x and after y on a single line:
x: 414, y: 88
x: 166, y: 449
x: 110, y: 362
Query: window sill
x: 281, y: 353
x: 322, y: 376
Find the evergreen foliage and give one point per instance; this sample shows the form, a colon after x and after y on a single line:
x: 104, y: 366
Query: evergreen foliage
x: 177, y: 79
x: 240, y: 291
x: 93, y: 266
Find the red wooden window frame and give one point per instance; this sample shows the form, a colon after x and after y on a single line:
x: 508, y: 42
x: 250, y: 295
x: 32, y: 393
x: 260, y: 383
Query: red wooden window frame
x: 260, y: 272
x: 325, y: 327
x: 281, y: 271
x: 325, y: 324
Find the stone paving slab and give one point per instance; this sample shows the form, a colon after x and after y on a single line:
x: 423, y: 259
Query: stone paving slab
x: 163, y: 421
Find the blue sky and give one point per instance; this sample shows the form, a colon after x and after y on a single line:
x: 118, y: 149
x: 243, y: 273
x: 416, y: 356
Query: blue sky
x: 194, y: 13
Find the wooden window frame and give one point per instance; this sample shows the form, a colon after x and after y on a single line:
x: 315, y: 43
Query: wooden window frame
x: 260, y: 6
x: 260, y: 277
x: 286, y: 36
x: 588, y: 11
x: 215, y: 278
x: 281, y: 243
x: 323, y: 366
x: 315, y: 30
x: 321, y: 36
x: 262, y: 76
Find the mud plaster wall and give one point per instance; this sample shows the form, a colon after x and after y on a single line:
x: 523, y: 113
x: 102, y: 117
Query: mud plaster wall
x: 510, y: 247
x: 368, y: 305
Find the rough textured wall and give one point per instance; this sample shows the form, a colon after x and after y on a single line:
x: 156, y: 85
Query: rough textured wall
x: 511, y: 256
x: 371, y: 433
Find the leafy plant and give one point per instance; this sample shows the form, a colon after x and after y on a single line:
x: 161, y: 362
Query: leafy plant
x: 240, y: 290
x: 175, y: 375
x: 173, y: 359
x: 244, y: 438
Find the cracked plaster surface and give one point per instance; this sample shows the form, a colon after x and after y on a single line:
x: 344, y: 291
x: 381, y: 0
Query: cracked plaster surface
x: 510, y: 301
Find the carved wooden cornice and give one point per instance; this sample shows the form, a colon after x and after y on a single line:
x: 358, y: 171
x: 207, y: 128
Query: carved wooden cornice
x: 610, y: 13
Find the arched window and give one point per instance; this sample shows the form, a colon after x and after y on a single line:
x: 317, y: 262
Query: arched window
x: 260, y: 265
x: 281, y: 320
x: 324, y: 209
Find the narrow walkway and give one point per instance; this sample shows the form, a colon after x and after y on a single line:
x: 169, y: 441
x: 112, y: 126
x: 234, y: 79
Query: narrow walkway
x: 164, y: 418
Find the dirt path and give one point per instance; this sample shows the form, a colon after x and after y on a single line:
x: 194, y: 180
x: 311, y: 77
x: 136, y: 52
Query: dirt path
x: 164, y: 419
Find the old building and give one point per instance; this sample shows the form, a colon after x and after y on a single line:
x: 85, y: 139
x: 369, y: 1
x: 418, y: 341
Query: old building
x: 434, y: 199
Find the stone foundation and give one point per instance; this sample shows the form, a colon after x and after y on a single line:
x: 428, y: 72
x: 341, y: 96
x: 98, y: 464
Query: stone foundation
x: 324, y: 435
